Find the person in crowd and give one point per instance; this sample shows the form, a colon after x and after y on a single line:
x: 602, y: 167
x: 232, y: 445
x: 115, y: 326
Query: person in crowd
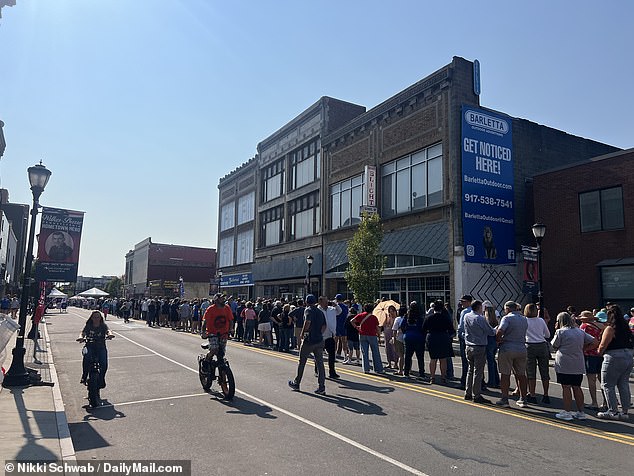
x: 476, y: 331
x: 239, y: 320
x: 5, y: 303
x: 511, y: 338
x: 491, y: 315
x: 439, y: 331
x: 341, y: 339
x: 390, y: 351
x: 537, y: 353
x: 593, y: 360
x: 174, y: 316
x: 368, y: 326
x: 617, y: 344
x: 151, y: 312
x: 34, y: 334
x: 276, y: 321
x: 165, y: 312
x: 264, y: 325
x: 414, y: 339
x: 144, y: 309
x: 331, y: 310
x: 465, y: 304
x: 250, y: 320
x: 352, y: 337
x: 286, y: 328
x: 312, y: 343
x: 570, y: 342
x: 196, y: 316
x: 14, y: 307
x: 397, y: 337
x: 297, y: 315
x: 185, y: 315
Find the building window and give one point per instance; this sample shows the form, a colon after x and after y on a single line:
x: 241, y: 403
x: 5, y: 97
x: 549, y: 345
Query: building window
x: 272, y: 226
x: 227, y: 216
x: 246, y: 208
x: 412, y: 182
x: 601, y: 209
x: 304, y: 216
x: 405, y: 261
x: 346, y: 199
x: 273, y: 181
x: 244, y: 252
x: 226, y: 252
x: 305, y: 164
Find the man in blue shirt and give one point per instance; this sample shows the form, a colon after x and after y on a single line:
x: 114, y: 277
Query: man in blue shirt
x: 476, y: 331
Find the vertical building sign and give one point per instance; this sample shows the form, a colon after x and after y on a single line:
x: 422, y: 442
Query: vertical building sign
x: 488, y: 216
x: 58, y: 245
x: 370, y: 188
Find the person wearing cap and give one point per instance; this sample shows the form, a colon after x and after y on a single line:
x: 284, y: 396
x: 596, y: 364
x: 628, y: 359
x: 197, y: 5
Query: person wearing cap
x: 593, y: 360
x: 312, y: 343
x: 465, y: 302
x: 341, y: 337
x: 511, y: 337
x: 476, y: 331
x: 331, y: 310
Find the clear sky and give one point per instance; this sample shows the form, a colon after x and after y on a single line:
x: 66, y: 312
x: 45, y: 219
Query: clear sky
x: 138, y: 107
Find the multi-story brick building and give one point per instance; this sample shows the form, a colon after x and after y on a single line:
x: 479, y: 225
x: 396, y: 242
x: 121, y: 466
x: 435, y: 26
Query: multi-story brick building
x: 156, y: 269
x: 588, y: 249
x: 450, y: 179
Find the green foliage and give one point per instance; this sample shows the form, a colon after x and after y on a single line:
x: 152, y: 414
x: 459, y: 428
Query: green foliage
x: 114, y: 287
x: 365, y: 260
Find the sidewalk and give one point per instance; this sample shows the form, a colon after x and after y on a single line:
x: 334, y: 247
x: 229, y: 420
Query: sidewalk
x: 33, y: 422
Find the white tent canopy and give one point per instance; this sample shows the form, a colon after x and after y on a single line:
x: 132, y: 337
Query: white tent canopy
x: 94, y: 292
x: 56, y: 293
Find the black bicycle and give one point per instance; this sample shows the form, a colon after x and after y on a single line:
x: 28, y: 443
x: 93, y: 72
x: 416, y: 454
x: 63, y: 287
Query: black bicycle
x: 94, y: 382
x: 210, y: 368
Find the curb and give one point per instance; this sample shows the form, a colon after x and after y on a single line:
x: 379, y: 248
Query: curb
x: 63, y: 432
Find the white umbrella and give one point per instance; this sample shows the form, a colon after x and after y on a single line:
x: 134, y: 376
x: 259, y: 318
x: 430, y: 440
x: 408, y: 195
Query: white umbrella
x: 94, y: 293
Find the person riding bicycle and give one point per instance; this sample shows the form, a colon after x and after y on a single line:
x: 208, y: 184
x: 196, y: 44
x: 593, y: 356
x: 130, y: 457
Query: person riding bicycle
x: 217, y: 322
x: 96, y: 332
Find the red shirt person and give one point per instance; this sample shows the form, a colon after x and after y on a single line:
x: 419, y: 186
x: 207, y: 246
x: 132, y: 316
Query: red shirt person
x: 218, y: 318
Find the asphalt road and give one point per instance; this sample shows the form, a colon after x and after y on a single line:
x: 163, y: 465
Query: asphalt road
x: 366, y: 424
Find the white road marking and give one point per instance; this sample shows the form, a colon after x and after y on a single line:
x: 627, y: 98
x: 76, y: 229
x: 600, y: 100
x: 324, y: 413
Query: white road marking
x: 317, y: 426
x: 176, y: 397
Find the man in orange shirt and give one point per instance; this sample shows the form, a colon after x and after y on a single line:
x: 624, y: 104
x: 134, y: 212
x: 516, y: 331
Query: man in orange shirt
x: 217, y: 323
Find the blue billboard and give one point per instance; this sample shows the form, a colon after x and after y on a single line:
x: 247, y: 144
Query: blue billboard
x: 488, y: 215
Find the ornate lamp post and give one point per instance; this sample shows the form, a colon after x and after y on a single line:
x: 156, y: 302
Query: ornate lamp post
x: 18, y: 376
x: 539, y: 230
x: 309, y: 262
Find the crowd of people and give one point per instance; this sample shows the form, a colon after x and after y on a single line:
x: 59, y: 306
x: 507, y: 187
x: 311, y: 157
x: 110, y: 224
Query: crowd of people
x: 515, y: 344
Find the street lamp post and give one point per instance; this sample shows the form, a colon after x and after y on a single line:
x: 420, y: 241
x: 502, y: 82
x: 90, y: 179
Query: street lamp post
x: 539, y: 230
x: 18, y: 376
x: 309, y: 262
x: 219, y: 280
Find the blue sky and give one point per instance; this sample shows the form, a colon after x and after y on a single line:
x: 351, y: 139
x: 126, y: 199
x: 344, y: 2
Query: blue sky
x: 139, y: 107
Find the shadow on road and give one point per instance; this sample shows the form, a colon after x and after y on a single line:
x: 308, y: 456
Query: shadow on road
x: 85, y: 437
x: 105, y: 412
x: 351, y: 404
x: 247, y: 407
x: 363, y: 387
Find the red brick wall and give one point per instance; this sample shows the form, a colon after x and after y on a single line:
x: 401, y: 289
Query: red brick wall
x: 570, y: 258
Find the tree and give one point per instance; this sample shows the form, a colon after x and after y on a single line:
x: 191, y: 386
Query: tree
x: 365, y: 260
x: 114, y: 287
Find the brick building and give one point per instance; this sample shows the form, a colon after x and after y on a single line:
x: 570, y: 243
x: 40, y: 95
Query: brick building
x: 588, y: 249
x: 155, y: 269
x: 450, y: 178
